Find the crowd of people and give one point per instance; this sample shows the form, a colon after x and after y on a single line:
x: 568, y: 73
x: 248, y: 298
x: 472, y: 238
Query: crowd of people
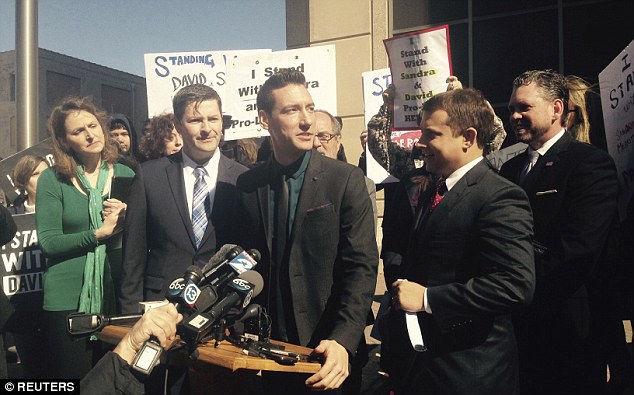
x: 500, y: 282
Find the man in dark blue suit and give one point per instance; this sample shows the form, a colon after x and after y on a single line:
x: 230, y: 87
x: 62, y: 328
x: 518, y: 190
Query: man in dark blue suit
x: 468, y: 267
x: 572, y: 188
x: 311, y: 218
x: 162, y: 236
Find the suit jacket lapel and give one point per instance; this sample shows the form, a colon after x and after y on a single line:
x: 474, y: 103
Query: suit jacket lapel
x: 452, y: 197
x: 224, y: 169
x: 264, y: 193
x: 260, y: 178
x: 312, y: 180
x: 176, y: 182
x: 545, y: 163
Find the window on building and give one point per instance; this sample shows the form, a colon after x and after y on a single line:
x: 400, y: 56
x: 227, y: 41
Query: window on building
x: 59, y: 86
x: 116, y: 100
x: 493, y: 41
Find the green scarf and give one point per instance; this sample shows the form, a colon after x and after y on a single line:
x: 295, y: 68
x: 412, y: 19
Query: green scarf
x: 91, y: 298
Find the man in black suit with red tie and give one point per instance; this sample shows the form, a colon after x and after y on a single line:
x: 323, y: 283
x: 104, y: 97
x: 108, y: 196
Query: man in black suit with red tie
x: 311, y: 218
x: 572, y: 188
x: 468, y: 267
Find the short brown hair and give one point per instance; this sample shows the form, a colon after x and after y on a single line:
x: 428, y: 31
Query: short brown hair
x: 66, y: 160
x: 196, y: 93
x: 466, y: 108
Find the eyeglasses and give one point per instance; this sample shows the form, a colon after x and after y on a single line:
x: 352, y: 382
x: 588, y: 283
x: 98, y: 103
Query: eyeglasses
x: 325, y: 137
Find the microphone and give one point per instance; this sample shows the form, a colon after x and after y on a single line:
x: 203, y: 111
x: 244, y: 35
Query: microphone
x: 239, y: 293
x: 226, y: 253
x: 86, y: 324
x: 224, y: 267
x: 228, y: 263
x: 253, y: 311
x: 184, y: 291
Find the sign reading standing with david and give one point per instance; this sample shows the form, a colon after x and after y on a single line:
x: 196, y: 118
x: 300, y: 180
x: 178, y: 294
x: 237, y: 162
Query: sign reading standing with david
x: 247, y: 73
x: 420, y: 63
x: 166, y: 73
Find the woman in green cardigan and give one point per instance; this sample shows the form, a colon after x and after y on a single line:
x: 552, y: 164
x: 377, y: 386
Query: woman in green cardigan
x: 77, y: 228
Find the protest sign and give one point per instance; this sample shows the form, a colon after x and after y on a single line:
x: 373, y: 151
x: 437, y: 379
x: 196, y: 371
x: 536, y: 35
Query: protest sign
x: 166, y: 73
x: 247, y: 73
x: 499, y: 157
x: 43, y: 149
x: 420, y: 63
x: 374, y: 84
x: 23, y: 265
x: 616, y: 83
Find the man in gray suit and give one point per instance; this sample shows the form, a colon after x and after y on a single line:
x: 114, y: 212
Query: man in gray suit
x: 469, y: 264
x: 164, y: 232
x: 311, y: 218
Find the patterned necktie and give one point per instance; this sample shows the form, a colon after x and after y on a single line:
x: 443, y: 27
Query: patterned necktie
x: 441, y: 188
x: 533, y: 156
x: 200, y: 206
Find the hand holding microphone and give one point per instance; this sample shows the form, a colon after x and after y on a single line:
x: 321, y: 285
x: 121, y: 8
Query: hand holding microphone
x: 159, y: 323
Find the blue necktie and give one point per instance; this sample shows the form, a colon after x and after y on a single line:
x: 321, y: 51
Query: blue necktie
x: 200, y: 206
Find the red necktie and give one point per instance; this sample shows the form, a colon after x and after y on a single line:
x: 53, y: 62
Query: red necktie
x: 441, y: 188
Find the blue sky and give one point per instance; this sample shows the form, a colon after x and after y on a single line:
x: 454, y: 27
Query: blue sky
x: 116, y: 33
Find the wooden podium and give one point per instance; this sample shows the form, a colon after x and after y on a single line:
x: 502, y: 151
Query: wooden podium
x: 224, y: 368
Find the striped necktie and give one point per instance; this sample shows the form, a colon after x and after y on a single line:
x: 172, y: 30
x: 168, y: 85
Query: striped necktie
x: 533, y: 156
x: 200, y: 206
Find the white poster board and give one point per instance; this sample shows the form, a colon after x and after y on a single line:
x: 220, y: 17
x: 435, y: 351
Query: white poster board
x: 616, y: 82
x: 499, y: 157
x: 247, y: 73
x: 166, y: 73
x: 420, y: 63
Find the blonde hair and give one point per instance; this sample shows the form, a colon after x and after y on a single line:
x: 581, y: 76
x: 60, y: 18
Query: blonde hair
x: 578, y: 119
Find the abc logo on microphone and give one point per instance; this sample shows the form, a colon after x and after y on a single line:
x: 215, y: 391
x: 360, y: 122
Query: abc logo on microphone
x: 244, y: 286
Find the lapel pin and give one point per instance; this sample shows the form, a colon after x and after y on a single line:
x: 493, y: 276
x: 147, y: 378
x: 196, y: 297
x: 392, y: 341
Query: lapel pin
x: 549, y: 163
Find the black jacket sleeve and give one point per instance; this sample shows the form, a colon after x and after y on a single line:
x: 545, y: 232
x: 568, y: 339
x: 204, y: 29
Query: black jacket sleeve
x: 111, y: 375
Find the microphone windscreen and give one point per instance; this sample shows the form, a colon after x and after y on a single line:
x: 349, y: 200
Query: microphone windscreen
x: 254, y: 278
x: 219, y: 257
x: 79, y: 323
x: 255, y: 254
x: 195, y: 270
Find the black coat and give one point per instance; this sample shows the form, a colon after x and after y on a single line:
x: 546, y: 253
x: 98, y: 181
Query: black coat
x: 474, y: 255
